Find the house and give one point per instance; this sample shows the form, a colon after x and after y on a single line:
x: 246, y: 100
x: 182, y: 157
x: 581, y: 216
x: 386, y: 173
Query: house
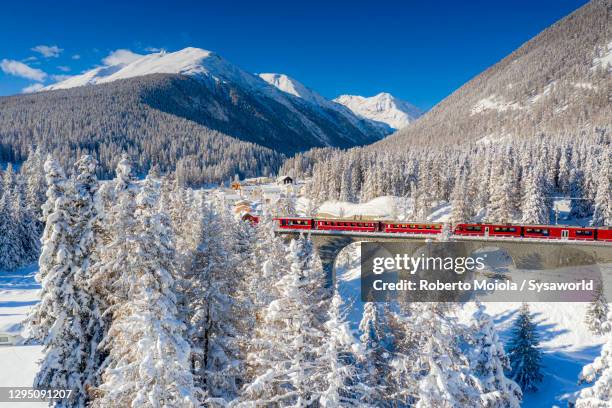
x: 284, y: 180
x: 10, y: 339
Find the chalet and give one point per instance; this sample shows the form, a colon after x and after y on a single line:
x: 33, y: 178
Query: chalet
x: 284, y: 180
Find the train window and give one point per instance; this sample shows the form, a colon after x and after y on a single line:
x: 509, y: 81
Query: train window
x: 496, y: 229
x: 512, y: 229
x: 579, y: 232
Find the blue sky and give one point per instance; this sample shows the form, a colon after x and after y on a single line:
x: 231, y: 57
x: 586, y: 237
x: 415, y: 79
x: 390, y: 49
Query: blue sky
x: 418, y: 51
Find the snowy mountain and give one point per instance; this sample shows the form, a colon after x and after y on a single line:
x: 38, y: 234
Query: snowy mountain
x: 383, y: 108
x: 316, y: 120
x: 556, y: 83
x: 190, y: 108
x: 295, y: 88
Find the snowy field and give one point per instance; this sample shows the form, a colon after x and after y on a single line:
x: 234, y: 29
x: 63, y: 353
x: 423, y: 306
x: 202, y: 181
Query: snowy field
x: 18, y: 292
x: 565, y: 339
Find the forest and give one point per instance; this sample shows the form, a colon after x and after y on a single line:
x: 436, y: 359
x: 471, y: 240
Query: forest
x: 155, y: 292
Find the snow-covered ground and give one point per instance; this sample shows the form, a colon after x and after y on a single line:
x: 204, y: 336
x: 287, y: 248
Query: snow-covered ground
x: 18, y: 293
x: 565, y: 339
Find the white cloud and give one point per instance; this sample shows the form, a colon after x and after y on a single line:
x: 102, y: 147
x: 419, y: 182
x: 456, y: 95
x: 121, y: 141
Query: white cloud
x: 60, y: 78
x: 120, y: 56
x: 152, y: 49
x: 48, y: 51
x: 20, y: 69
x: 63, y: 68
x: 32, y: 88
x: 76, y: 57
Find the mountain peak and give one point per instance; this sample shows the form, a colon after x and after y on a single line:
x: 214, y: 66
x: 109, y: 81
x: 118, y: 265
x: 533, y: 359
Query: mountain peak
x: 291, y: 86
x: 382, y: 107
x: 188, y: 61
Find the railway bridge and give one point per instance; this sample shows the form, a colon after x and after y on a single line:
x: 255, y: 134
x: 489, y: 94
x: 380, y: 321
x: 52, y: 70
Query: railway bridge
x: 526, y: 253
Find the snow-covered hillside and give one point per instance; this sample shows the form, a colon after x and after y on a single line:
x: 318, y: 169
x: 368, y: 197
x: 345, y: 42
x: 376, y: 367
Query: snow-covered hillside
x: 210, y: 91
x: 383, y: 107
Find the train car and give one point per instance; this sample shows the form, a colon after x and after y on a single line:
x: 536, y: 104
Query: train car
x: 469, y: 229
x: 489, y: 230
x: 512, y: 231
x: 559, y: 232
x: 410, y: 228
x: 604, y: 234
x: 347, y: 225
x: 295, y: 223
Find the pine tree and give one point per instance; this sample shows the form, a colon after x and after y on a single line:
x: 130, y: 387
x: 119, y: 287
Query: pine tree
x: 149, y: 358
x: 580, y: 206
x: 597, y: 312
x: 602, y: 214
x: 535, y: 209
x: 500, y: 208
x: 599, y: 374
x: 429, y: 367
x: 335, y: 367
x: 488, y: 362
x: 461, y: 211
x: 448, y: 381
x: 217, y: 263
x: 86, y: 220
x: 377, y: 340
x: 524, y: 353
x: 289, y: 334
x: 60, y: 321
x: 11, y: 251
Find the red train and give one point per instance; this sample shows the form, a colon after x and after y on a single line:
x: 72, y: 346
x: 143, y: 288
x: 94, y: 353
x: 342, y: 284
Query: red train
x: 464, y: 229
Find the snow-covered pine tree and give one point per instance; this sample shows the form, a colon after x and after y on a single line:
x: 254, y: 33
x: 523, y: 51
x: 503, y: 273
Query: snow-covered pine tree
x: 596, y: 317
x: 60, y: 321
x: 461, y: 211
x: 599, y: 374
x: 580, y: 206
x: 448, y: 381
x: 11, y: 251
x: 28, y: 229
x: 228, y: 307
x: 377, y: 341
x: 535, y: 209
x: 108, y: 279
x: 149, y: 357
x: 488, y: 361
x: 602, y: 214
x: 86, y: 222
x: 500, y: 207
x: 336, y: 367
x: 287, y: 337
x: 33, y: 172
x: 524, y: 353
x: 429, y: 367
